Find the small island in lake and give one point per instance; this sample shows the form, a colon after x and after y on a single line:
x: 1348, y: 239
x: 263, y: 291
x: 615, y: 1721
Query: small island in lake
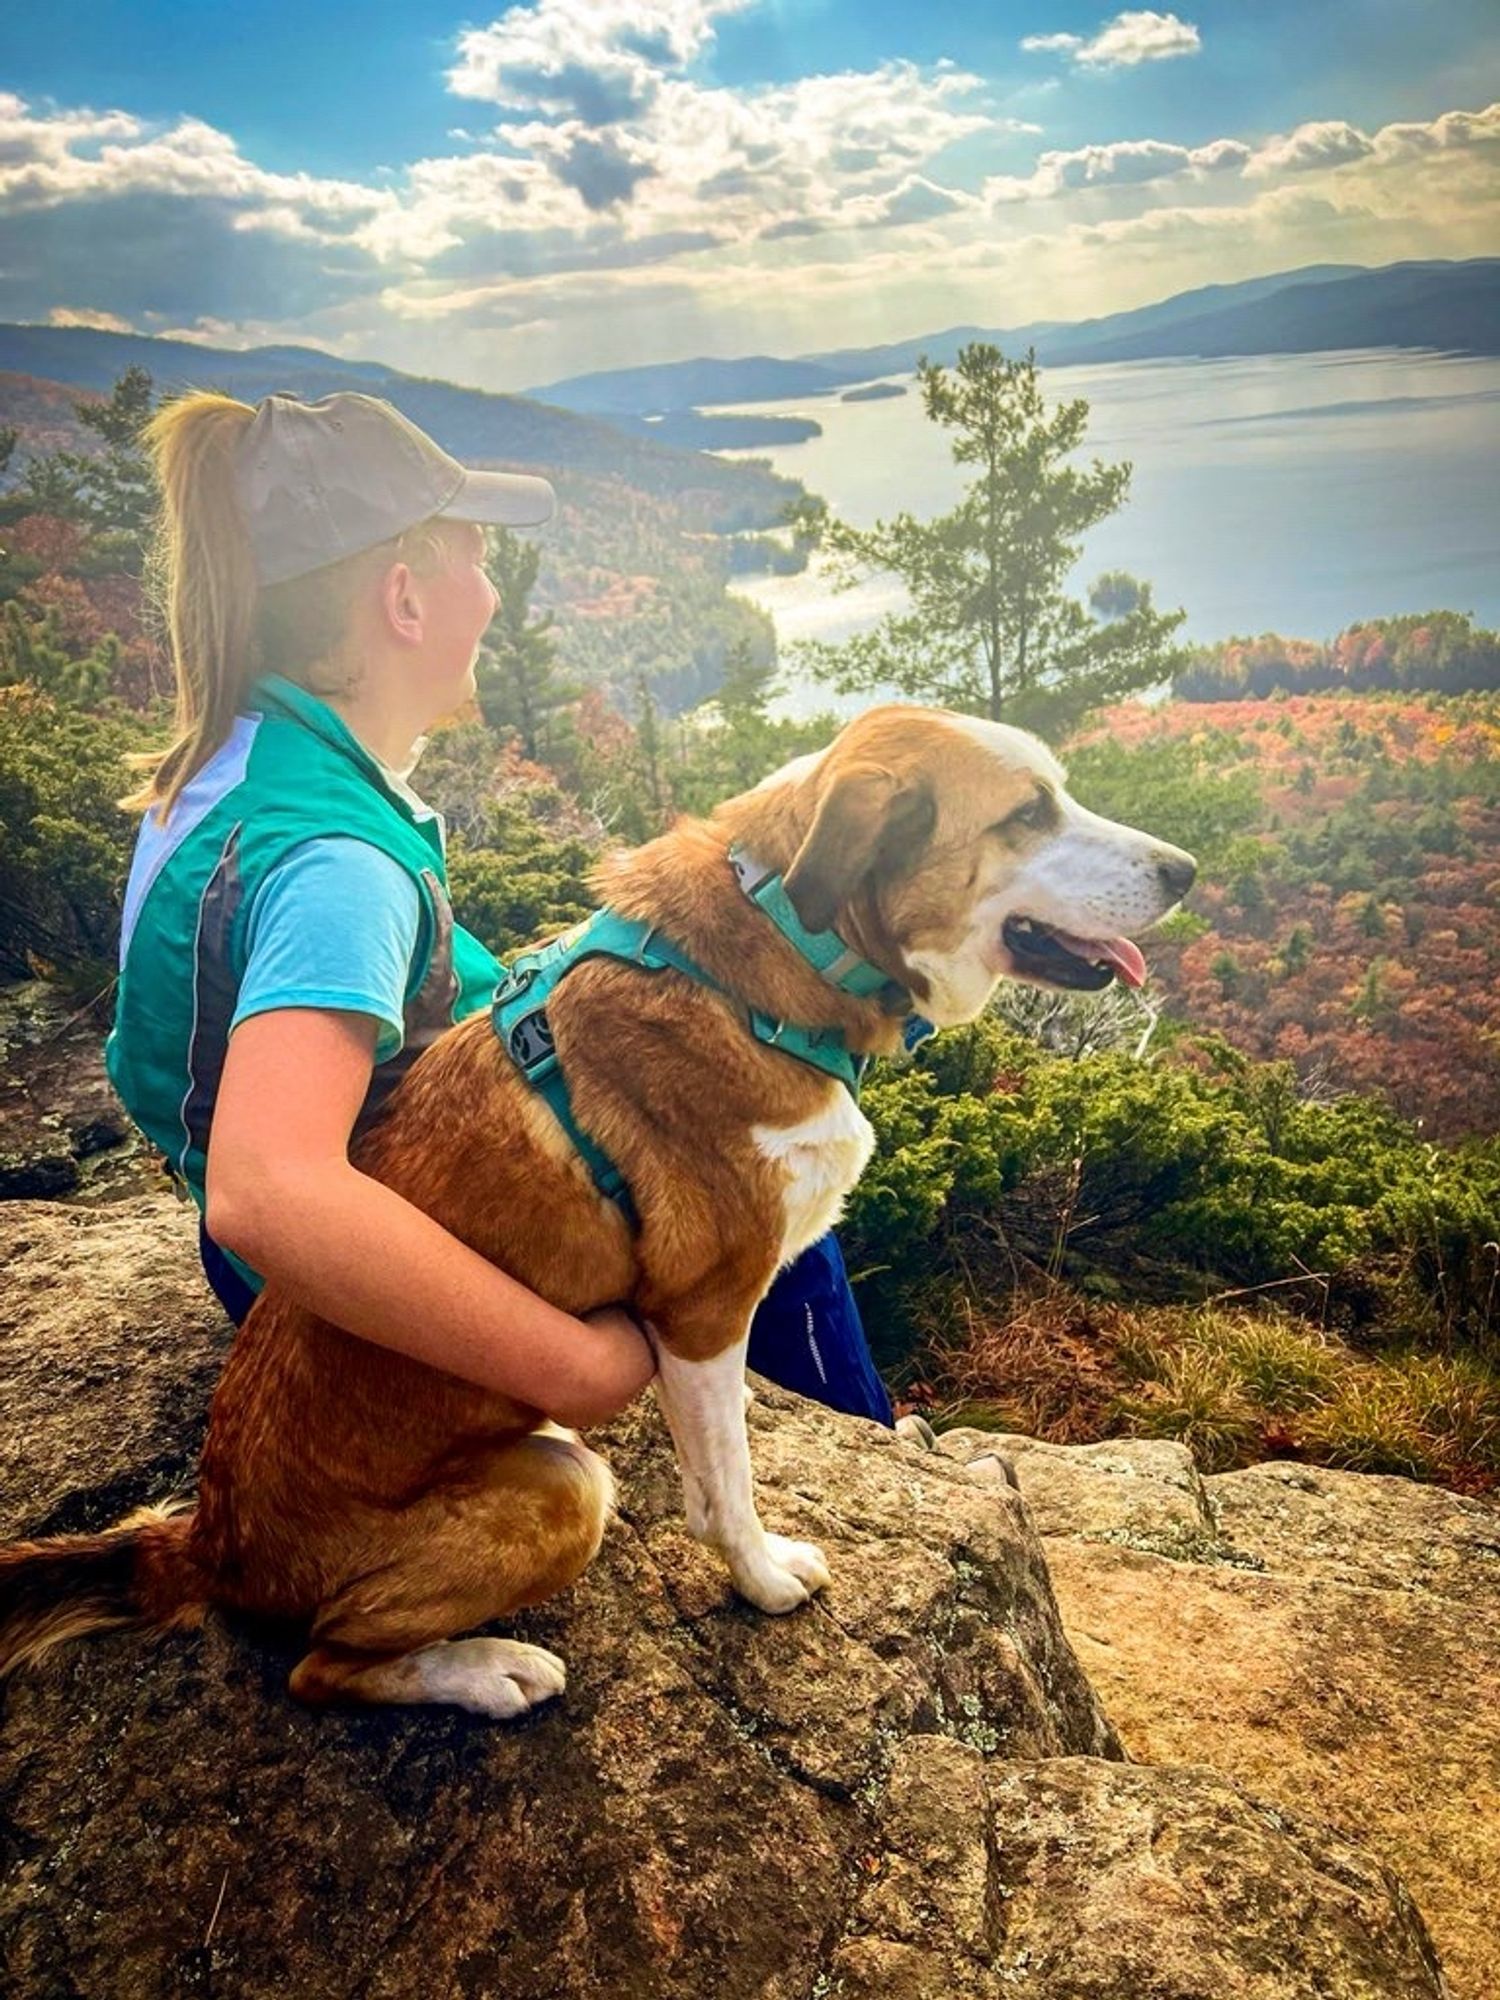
x: 726, y: 430
x: 873, y: 392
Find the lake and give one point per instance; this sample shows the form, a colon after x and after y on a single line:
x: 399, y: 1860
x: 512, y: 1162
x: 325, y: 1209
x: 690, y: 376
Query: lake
x: 1291, y: 493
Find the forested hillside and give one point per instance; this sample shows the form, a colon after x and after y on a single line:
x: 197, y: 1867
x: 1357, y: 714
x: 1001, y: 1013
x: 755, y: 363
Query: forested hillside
x: 1348, y: 919
x: 645, y: 538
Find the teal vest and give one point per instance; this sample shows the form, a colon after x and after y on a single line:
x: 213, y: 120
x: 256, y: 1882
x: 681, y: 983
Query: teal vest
x: 290, y: 771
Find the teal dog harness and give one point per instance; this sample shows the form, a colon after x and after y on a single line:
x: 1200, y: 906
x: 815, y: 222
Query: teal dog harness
x: 519, y: 1012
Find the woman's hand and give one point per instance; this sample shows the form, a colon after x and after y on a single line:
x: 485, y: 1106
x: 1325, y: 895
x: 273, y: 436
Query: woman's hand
x: 625, y: 1362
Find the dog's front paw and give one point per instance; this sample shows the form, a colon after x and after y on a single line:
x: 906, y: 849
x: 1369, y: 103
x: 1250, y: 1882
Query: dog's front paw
x: 805, y: 1560
x: 785, y: 1575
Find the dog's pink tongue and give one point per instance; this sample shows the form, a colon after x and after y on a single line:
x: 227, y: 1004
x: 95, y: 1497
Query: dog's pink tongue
x: 1118, y: 952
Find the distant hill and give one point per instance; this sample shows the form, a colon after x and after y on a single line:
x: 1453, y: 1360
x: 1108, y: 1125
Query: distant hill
x: 634, y: 566
x: 1084, y: 337
x: 474, y: 425
x: 1450, y: 306
x: 683, y: 385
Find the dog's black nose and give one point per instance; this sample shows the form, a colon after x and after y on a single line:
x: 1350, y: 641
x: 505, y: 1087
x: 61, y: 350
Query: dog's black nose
x: 1178, y: 872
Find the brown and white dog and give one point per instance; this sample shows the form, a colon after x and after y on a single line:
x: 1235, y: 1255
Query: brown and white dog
x: 391, y: 1506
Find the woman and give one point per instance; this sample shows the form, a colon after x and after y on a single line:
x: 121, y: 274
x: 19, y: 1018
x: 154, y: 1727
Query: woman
x: 287, y: 947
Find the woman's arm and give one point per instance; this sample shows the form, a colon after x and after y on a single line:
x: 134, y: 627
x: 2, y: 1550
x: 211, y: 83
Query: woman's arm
x: 283, y: 1195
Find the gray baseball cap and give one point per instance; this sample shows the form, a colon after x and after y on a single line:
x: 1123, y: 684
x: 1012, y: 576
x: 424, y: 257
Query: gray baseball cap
x: 320, y: 481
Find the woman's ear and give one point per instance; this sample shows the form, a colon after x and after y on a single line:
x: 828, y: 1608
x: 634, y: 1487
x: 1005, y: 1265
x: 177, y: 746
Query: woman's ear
x: 401, y: 604
x: 868, y: 821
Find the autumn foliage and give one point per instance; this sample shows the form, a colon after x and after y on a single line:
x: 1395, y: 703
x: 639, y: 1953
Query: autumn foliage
x: 1348, y: 915
x: 1437, y: 652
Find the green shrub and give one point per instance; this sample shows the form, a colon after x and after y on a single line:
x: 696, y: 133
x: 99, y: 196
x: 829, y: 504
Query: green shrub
x: 513, y: 881
x: 65, y: 845
x: 1202, y: 1171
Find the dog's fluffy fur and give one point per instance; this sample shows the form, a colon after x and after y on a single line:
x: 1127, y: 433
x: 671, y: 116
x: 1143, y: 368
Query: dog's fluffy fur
x: 391, y: 1506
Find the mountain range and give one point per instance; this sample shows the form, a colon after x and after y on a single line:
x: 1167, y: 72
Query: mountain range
x: 1452, y: 307
x: 473, y: 424
x: 638, y: 425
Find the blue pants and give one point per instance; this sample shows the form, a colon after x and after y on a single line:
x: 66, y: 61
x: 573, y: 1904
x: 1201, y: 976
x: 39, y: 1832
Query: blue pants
x: 806, y: 1335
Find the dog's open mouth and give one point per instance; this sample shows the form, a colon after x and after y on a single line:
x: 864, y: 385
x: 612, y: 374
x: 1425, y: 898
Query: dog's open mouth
x: 1041, y: 951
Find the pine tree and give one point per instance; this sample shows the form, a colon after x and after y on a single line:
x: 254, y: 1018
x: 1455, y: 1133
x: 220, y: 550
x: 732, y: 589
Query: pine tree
x: 988, y: 626
x: 648, y: 736
x: 517, y: 680
x: 32, y: 650
x: 116, y: 492
x: 49, y: 485
x: 744, y: 745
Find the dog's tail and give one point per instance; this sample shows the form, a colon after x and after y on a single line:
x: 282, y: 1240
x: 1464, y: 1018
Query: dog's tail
x: 141, y: 1573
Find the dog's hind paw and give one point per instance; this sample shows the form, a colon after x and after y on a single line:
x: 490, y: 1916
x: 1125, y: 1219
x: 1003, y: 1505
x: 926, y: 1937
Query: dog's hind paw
x: 501, y: 1678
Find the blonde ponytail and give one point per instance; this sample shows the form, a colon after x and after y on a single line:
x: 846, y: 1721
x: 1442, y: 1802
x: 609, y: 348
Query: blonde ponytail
x: 204, y: 578
x: 223, y: 628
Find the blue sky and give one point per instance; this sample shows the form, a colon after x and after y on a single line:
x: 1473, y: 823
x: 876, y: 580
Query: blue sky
x: 513, y: 194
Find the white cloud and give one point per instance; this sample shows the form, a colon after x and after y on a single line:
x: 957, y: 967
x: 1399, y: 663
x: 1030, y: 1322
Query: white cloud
x: 599, y: 116
x: 1134, y: 37
x: 1126, y: 163
x: 1327, y: 143
x: 101, y: 322
x: 703, y: 219
x: 47, y: 159
x: 1454, y: 130
x: 26, y: 140
x: 1331, y: 143
x: 919, y: 200
x: 600, y: 61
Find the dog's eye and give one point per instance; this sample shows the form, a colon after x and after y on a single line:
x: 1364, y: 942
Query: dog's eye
x: 1039, y: 811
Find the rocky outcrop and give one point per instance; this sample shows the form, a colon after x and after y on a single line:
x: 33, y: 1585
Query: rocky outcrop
x: 1329, y: 1640
x: 110, y: 1344
x: 907, y: 1787
x: 1117, y: 1882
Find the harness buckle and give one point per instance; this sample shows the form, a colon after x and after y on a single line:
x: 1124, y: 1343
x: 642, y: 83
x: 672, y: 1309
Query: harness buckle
x: 529, y: 1043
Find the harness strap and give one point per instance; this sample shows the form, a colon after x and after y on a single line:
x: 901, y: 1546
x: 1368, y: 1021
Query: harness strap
x: 519, y: 1016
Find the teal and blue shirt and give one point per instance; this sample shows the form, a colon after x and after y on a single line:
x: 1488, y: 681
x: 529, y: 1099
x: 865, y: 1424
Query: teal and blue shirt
x: 292, y: 871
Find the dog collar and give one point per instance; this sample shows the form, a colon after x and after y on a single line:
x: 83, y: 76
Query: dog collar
x: 825, y: 951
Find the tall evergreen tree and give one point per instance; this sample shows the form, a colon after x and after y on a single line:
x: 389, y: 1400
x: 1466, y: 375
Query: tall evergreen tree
x: 517, y: 679
x: 648, y: 738
x: 740, y: 743
x: 115, y: 492
x: 989, y: 627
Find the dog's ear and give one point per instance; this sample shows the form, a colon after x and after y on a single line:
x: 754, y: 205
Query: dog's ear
x: 868, y: 822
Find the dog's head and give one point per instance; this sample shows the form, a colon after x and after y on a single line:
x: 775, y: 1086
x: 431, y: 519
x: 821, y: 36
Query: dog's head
x: 948, y: 850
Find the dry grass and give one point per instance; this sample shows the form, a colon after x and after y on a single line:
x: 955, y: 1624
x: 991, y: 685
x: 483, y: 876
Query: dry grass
x: 1196, y: 1399
x: 1043, y: 1369
x: 1233, y: 1385
x: 1427, y: 1416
